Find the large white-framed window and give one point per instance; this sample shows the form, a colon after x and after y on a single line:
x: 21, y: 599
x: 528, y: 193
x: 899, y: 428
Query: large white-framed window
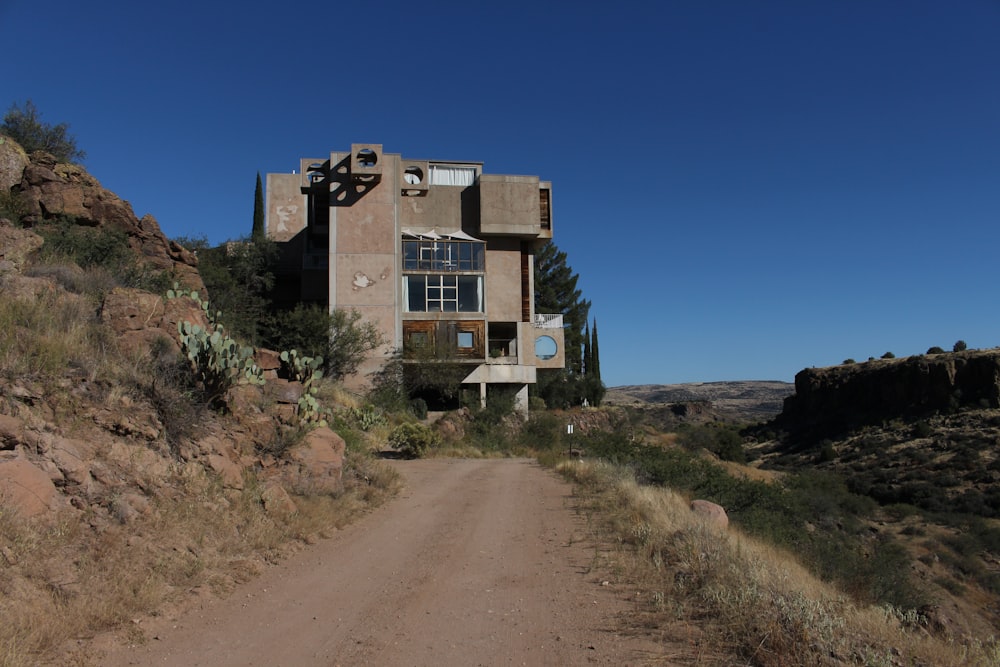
x: 443, y: 293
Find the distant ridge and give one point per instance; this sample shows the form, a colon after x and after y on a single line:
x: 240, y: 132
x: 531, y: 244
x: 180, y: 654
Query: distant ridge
x: 741, y: 400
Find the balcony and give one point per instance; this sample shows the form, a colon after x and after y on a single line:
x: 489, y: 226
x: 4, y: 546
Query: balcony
x: 547, y: 321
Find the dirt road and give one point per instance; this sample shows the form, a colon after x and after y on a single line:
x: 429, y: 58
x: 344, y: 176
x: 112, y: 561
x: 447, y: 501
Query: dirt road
x: 477, y: 562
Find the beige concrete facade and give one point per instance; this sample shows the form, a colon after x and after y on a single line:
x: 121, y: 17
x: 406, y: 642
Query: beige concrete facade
x: 430, y: 251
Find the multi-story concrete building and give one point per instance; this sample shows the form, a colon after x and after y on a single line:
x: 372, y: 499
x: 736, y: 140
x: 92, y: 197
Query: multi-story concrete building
x: 437, y: 254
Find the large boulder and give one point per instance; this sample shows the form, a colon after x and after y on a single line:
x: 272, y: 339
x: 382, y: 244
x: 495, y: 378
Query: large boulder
x: 26, y: 488
x: 13, y: 160
x: 710, y: 513
x: 16, y: 245
x: 314, y: 465
x: 141, y: 318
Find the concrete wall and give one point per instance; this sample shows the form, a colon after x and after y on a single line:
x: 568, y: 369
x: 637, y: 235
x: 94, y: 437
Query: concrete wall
x: 440, y: 209
x: 509, y: 205
x: 364, y: 255
x: 286, y: 207
x: 503, y: 280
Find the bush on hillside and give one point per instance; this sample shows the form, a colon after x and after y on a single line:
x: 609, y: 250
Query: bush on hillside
x: 23, y: 124
x: 413, y: 440
x: 104, y: 253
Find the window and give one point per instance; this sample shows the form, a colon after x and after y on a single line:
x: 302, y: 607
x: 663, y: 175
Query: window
x: 428, y: 255
x: 545, y: 347
x: 466, y: 340
x: 452, y: 175
x: 443, y: 293
x: 418, y: 340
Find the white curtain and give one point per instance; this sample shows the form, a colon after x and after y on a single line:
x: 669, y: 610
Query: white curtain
x: 445, y: 175
x: 406, y: 294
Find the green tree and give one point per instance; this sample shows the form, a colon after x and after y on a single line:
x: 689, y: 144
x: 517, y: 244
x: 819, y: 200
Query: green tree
x: 595, y: 387
x: 238, y: 276
x: 351, y: 339
x: 556, y: 292
x: 341, y: 338
x: 960, y: 346
x: 24, y: 125
x: 595, y: 352
x: 258, y: 210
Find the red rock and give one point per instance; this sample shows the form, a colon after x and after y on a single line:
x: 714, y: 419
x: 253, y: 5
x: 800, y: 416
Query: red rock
x: 26, y: 488
x: 713, y: 514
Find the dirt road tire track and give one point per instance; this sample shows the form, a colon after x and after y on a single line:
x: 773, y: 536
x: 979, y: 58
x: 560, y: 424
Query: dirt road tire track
x: 478, y: 562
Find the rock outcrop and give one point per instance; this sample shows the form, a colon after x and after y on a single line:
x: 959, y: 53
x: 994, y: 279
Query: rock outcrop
x: 120, y: 451
x: 47, y: 190
x: 829, y: 401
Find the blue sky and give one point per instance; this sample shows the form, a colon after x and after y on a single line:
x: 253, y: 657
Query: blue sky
x: 746, y: 189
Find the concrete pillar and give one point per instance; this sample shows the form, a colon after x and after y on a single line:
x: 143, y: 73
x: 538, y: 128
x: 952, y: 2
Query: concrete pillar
x: 521, y: 400
x: 482, y: 395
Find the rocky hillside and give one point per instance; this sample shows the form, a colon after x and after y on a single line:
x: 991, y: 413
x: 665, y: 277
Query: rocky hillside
x: 833, y: 400
x: 69, y: 438
x: 918, y: 435
x: 110, y: 459
x: 921, y: 430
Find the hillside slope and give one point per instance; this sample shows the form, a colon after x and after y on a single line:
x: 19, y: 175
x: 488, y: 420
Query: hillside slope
x: 121, y: 488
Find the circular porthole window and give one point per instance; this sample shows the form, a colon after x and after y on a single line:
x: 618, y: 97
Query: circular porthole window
x: 413, y: 175
x: 545, y: 347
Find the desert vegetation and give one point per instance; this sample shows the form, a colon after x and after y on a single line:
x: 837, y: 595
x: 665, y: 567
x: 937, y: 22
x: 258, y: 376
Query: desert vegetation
x: 124, y: 424
x: 737, y: 599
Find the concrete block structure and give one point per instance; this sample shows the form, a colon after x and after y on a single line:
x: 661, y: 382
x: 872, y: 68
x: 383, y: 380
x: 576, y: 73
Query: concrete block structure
x: 437, y: 254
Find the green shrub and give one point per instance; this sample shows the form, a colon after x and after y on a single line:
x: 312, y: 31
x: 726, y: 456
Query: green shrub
x: 542, y: 431
x: 413, y: 440
x: 24, y: 125
x: 935, y: 350
x: 96, y: 250
x: 959, y: 346
x: 888, y: 355
x: 848, y: 362
x: 723, y: 441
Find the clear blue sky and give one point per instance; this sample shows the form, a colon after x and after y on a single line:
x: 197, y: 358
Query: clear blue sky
x: 745, y: 188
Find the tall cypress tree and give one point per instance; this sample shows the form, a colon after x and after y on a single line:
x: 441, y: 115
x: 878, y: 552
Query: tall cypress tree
x: 595, y: 354
x: 595, y: 387
x: 588, y: 359
x: 258, y: 210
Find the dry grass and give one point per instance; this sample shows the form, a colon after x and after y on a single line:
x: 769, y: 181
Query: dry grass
x: 753, y: 603
x: 43, y: 338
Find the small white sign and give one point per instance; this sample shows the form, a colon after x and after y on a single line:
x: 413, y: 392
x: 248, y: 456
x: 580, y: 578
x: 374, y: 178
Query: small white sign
x: 569, y: 429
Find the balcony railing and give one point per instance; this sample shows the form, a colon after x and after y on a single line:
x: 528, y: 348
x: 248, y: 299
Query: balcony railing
x: 542, y: 321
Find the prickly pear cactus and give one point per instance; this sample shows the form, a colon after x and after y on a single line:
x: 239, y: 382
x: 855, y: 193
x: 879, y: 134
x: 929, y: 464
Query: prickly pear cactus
x: 307, y: 370
x: 218, y: 360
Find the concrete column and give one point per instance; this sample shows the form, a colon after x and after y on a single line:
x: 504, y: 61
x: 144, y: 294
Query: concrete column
x: 521, y: 400
x: 482, y: 395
